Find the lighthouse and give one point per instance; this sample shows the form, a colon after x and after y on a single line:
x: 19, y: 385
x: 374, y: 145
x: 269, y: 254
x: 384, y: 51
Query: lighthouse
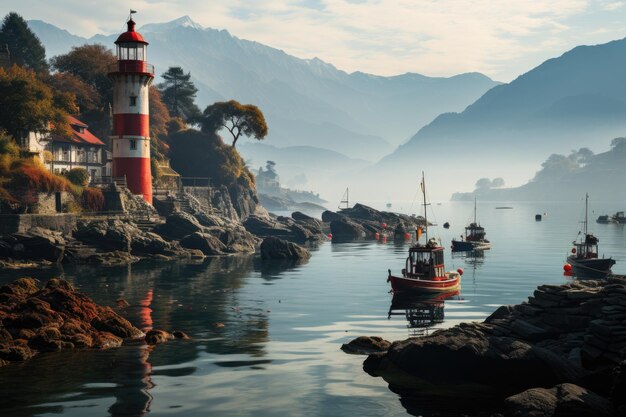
x: 131, y: 77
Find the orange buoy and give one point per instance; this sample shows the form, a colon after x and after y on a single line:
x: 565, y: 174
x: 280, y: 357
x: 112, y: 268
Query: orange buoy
x: 567, y: 268
x: 407, y: 236
x: 460, y: 271
x: 330, y: 235
x: 384, y: 225
x: 377, y: 235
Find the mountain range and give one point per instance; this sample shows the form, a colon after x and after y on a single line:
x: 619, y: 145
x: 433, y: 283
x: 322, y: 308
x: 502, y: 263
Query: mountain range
x: 330, y: 127
x: 572, y: 101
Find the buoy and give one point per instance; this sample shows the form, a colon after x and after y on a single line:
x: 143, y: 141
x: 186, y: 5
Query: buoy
x: 330, y: 235
x: 573, y: 250
x: 384, y: 225
x: 377, y: 235
x: 460, y: 271
x: 407, y: 236
x: 446, y: 225
x: 567, y: 268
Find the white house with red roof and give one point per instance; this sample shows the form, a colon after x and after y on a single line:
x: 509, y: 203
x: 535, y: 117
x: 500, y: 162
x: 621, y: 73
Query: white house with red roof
x: 82, y: 149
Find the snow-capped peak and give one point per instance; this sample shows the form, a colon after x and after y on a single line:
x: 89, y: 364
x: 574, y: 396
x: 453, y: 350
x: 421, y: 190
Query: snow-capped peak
x: 184, y: 21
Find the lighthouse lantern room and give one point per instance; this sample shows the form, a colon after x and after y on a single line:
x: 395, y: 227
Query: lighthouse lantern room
x: 131, y: 77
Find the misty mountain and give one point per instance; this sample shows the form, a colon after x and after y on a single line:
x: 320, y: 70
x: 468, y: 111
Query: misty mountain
x: 565, y: 103
x: 306, y: 101
x: 568, y: 177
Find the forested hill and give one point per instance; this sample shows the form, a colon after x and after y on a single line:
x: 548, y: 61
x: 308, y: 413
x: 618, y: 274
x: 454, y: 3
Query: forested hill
x: 564, y: 176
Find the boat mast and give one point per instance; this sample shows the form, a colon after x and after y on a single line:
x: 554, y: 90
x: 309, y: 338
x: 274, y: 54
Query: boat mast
x: 347, y: 199
x: 586, y: 208
x: 423, y: 184
x: 475, y: 210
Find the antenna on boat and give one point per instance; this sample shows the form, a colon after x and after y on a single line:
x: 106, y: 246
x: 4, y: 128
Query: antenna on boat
x: 475, y: 210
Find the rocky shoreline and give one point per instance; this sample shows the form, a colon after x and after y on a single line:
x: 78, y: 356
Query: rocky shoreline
x: 36, y: 320
x: 561, y: 353
x: 183, y: 236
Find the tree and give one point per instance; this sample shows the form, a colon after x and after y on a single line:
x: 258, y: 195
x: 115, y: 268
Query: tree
x: 25, y: 48
x: 238, y: 119
x: 179, y: 94
x: 32, y: 105
x: 91, y: 64
x: 159, y: 119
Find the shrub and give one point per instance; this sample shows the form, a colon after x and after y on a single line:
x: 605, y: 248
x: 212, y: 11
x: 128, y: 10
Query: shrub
x: 29, y: 174
x: 78, y: 176
x: 92, y: 199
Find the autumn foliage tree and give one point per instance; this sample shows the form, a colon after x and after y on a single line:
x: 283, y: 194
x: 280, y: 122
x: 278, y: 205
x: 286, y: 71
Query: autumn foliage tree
x: 32, y: 103
x: 238, y: 119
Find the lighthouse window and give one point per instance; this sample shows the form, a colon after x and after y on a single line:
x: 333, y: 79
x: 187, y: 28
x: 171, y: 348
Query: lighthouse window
x: 133, y: 100
x: 133, y: 144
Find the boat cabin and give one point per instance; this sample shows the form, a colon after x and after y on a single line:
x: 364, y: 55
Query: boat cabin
x: 474, y: 232
x: 586, y: 249
x: 425, y: 261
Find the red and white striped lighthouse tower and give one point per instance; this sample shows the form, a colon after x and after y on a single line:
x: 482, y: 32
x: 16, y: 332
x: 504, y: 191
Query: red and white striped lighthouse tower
x: 132, y: 76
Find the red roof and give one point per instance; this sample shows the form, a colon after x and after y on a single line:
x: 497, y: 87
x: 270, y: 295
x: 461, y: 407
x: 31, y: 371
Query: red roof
x: 131, y: 35
x: 84, y: 138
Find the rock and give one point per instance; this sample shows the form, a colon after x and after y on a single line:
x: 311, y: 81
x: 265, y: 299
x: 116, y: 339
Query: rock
x: 154, y: 337
x: 108, y: 235
x: 54, y: 318
x: 328, y: 216
x: 561, y: 400
x: 205, y: 242
x: 180, y: 335
x: 38, y: 244
x: 364, y: 345
x: 178, y: 225
x: 149, y: 243
x: 282, y: 227
x: 500, y: 313
x: 345, y: 229
x: 465, y: 356
x: 399, y: 232
x: 275, y: 248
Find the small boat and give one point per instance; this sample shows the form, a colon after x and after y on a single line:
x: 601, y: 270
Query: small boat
x: 345, y: 199
x: 474, y: 237
x: 584, y: 255
x: 424, y: 269
x: 538, y: 217
x: 619, y: 217
x: 604, y: 219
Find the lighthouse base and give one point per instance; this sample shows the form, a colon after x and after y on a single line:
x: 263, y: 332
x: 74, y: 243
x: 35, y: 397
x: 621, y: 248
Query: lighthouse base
x: 138, y: 175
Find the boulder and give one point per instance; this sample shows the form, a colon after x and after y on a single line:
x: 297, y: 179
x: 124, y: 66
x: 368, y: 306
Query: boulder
x: 328, y: 216
x: 107, y: 235
x: 37, y: 244
x: 178, y: 225
x: 155, y: 337
x: 465, y: 356
x: 303, y: 218
x: 561, y: 400
x: 282, y: 227
x: 345, y: 229
x: 205, y: 242
x: 149, y: 243
x: 366, y: 345
x: 275, y: 248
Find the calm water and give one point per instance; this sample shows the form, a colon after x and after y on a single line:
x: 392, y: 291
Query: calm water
x: 266, y: 337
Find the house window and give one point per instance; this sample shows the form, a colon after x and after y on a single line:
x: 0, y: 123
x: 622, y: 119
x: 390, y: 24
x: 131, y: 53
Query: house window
x: 133, y: 144
x: 133, y: 101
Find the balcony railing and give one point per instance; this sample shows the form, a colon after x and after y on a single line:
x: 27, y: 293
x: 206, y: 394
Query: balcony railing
x: 141, y: 67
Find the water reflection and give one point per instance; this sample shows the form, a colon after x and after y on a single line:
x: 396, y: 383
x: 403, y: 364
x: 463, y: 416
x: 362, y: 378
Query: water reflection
x: 421, y: 311
x: 200, y: 299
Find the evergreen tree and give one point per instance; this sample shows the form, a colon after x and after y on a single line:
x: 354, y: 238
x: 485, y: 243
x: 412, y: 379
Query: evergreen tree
x: 179, y: 93
x: 25, y: 48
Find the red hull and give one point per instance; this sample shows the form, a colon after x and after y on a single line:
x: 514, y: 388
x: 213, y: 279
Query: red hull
x: 401, y: 284
x: 138, y: 175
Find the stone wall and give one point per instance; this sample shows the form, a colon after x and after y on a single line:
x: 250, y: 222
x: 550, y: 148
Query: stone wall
x: 14, y: 223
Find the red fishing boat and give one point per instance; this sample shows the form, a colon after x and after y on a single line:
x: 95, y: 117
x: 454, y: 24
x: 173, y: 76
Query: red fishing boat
x: 424, y: 269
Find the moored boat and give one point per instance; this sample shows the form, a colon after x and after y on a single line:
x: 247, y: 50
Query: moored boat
x: 474, y: 237
x: 584, y: 255
x: 424, y: 269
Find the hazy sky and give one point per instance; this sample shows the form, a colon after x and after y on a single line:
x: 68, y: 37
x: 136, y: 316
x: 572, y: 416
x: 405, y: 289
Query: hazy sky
x: 500, y: 38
